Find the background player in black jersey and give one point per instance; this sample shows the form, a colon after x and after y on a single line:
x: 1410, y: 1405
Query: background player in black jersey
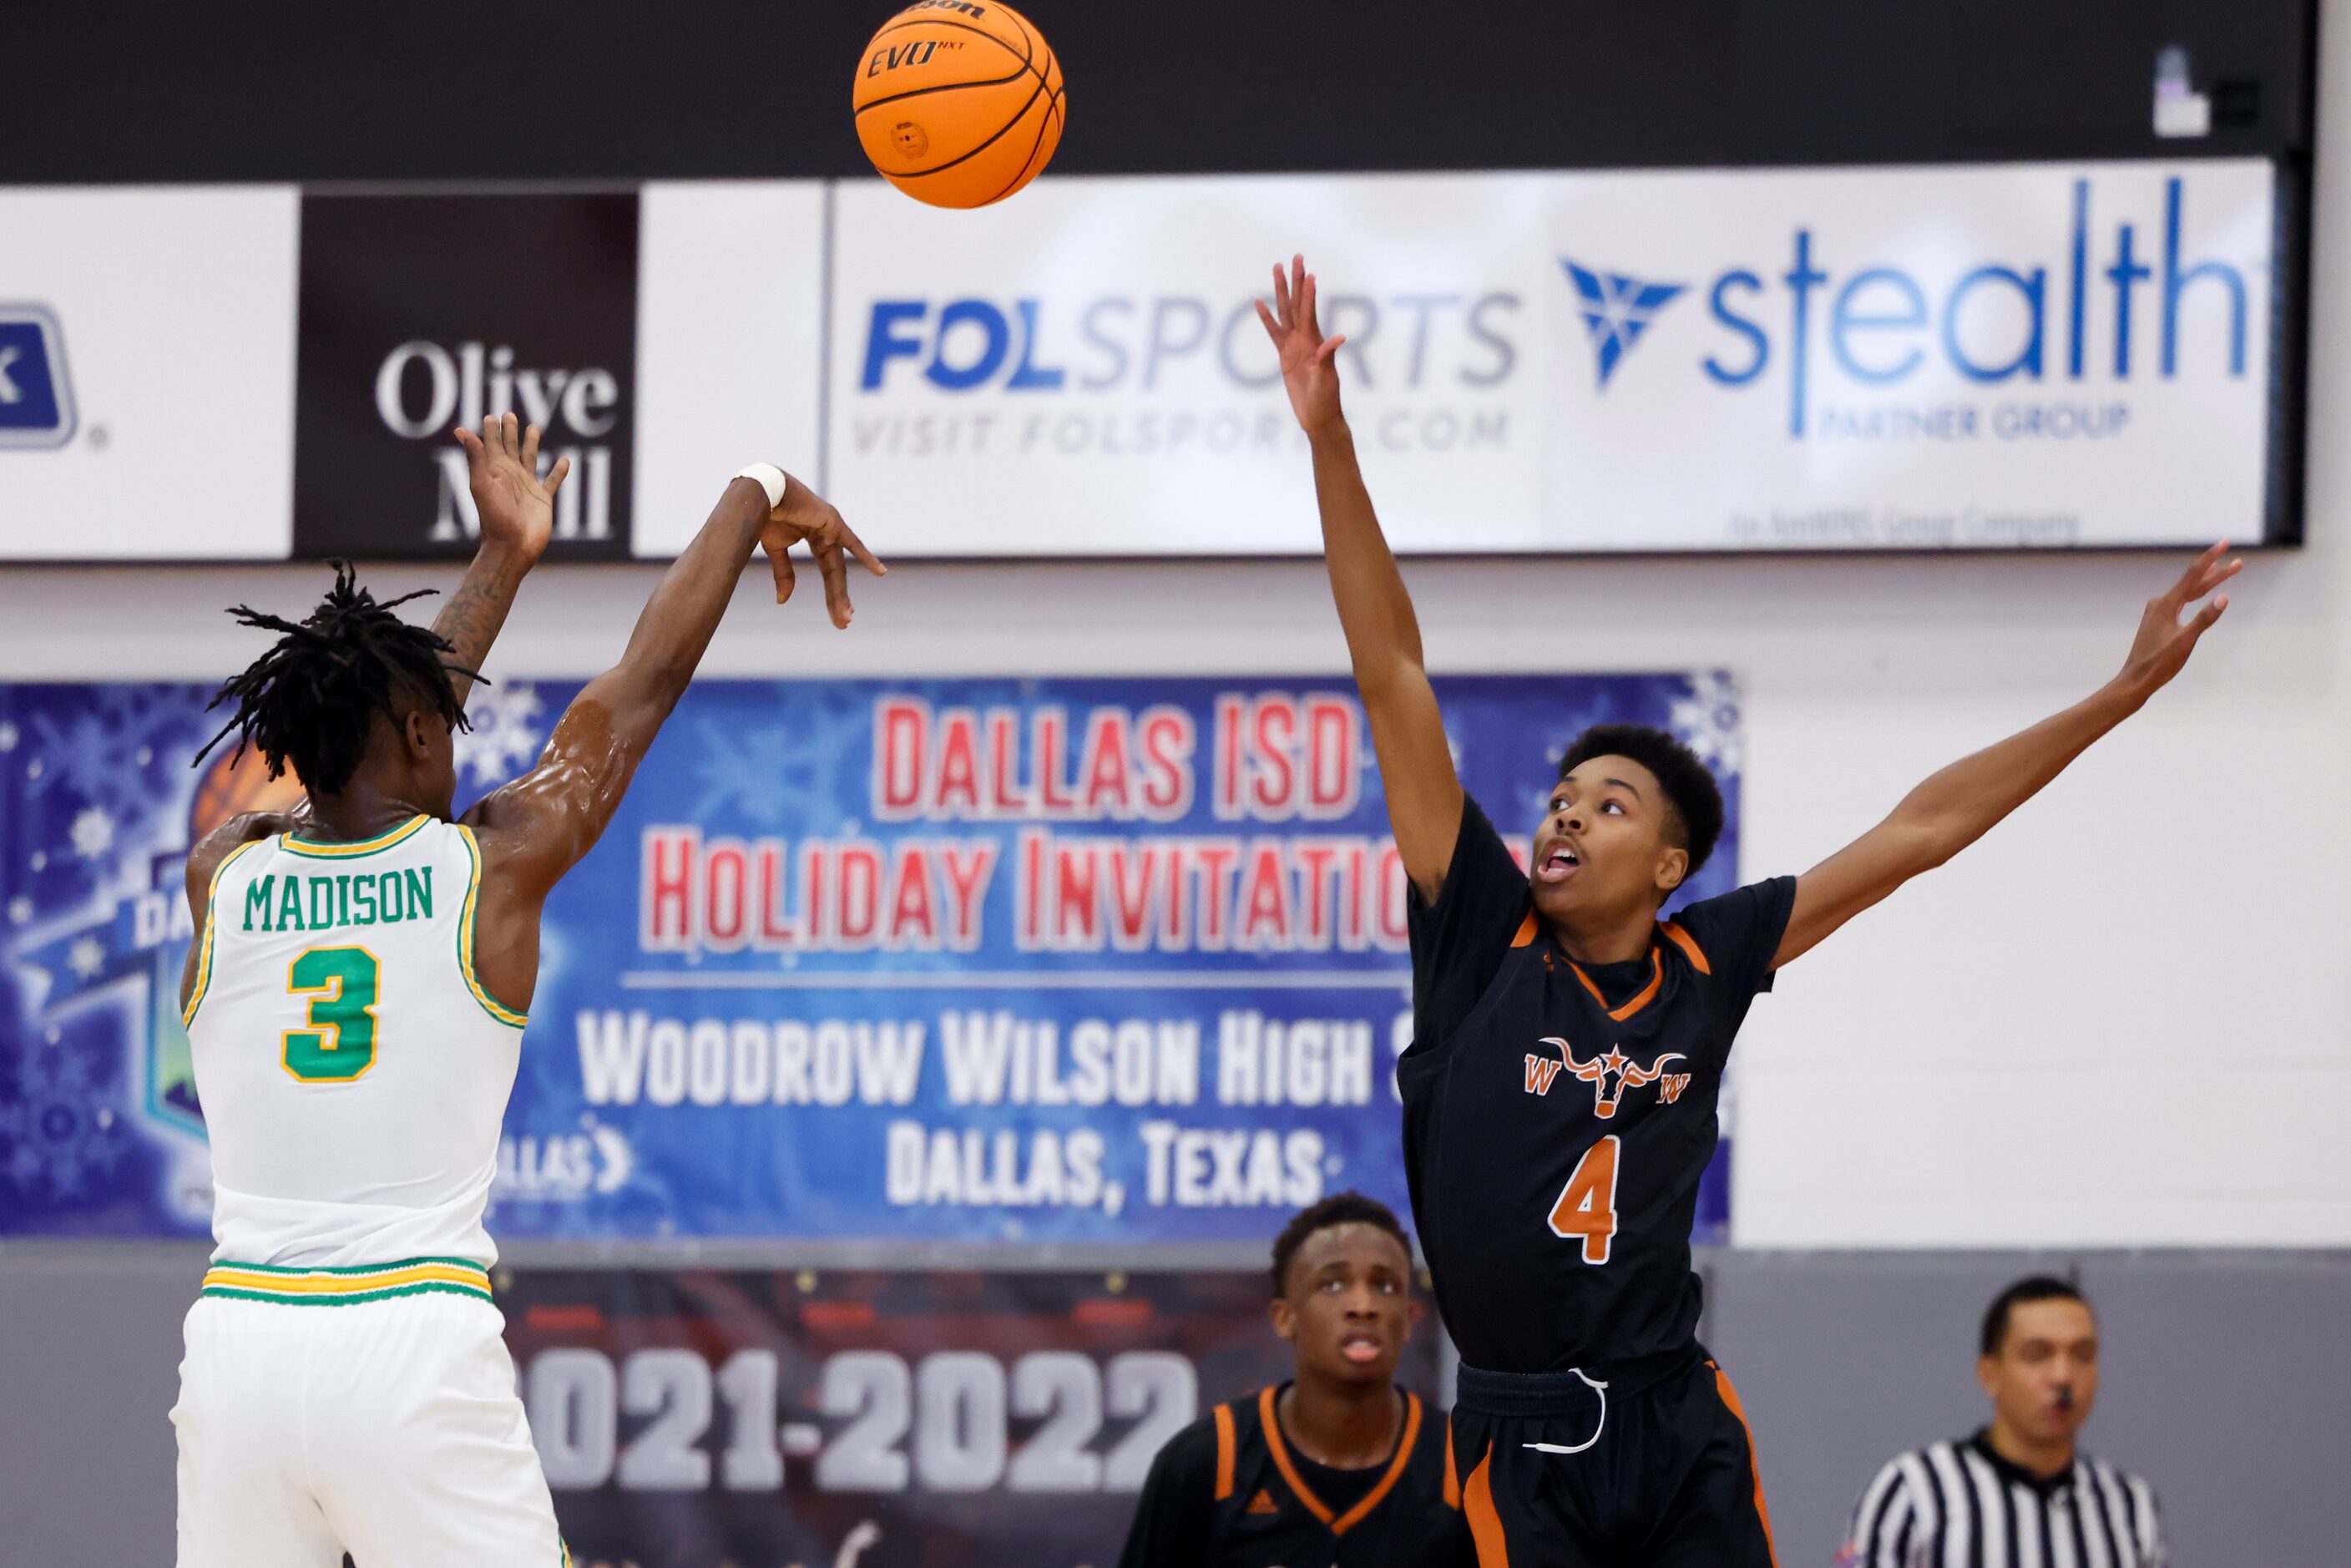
x: 1338, y: 1466
x: 1568, y: 1050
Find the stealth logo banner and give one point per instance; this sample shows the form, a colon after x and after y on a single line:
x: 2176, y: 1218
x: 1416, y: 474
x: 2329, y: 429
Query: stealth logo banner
x: 1616, y: 310
x: 2037, y: 355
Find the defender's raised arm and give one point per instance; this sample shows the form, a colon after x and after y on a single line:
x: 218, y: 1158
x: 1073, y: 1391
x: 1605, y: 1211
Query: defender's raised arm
x: 1423, y: 793
x: 1959, y: 805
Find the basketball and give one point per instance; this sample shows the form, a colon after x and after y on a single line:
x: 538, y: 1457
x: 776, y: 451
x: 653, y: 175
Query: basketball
x: 959, y: 102
x: 238, y: 782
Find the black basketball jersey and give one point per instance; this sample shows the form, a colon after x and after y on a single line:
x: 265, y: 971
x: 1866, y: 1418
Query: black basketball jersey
x: 1228, y: 1493
x: 1558, y: 1117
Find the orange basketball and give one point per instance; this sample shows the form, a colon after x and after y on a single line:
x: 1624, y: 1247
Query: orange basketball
x: 238, y: 782
x: 959, y: 102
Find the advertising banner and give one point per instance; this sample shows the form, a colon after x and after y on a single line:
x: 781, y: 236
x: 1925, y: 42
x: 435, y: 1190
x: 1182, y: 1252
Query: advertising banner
x: 1932, y: 357
x: 912, y: 1420
x: 2038, y: 354
x: 422, y: 312
x: 147, y: 373
x: 1114, y: 961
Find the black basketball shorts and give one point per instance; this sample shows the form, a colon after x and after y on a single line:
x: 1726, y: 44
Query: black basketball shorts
x: 1647, y: 1468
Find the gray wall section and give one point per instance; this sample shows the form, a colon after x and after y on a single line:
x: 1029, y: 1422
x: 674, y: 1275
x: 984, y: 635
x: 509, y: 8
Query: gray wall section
x: 2224, y: 1374
x: 89, y: 1364
x: 2222, y: 1381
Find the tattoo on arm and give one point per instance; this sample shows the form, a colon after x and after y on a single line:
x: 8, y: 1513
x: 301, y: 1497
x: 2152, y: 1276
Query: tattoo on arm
x: 470, y: 622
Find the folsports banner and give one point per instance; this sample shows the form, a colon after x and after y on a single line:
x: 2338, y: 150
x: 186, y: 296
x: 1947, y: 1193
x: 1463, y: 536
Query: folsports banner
x: 1718, y: 360
x: 1116, y: 961
x: 912, y: 1420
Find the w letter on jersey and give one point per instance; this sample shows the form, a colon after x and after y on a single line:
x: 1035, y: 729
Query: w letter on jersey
x: 1610, y: 1075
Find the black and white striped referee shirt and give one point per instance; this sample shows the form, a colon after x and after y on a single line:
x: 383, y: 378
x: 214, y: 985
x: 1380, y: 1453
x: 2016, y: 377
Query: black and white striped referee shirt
x: 1960, y: 1505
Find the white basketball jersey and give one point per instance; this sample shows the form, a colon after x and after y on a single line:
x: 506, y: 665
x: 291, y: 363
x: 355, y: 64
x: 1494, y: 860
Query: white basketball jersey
x: 354, y: 1072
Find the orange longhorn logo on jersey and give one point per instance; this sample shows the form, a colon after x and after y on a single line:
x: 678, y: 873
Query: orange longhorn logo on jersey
x: 1609, y: 1075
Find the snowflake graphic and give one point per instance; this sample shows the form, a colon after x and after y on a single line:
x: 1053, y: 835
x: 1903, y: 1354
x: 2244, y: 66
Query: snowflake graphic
x: 505, y: 733
x: 8, y: 738
x: 1707, y: 721
x: 20, y: 909
x: 87, y: 956
x: 57, y: 1133
x: 97, y: 752
x: 774, y: 774
x: 92, y: 832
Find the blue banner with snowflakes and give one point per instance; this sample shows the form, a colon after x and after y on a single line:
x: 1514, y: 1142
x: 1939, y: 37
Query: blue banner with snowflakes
x: 1117, y: 960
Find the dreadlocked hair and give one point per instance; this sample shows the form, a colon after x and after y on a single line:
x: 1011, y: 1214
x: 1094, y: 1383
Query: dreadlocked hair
x: 312, y: 698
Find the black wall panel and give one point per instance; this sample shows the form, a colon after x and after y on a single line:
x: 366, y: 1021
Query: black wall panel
x: 270, y: 90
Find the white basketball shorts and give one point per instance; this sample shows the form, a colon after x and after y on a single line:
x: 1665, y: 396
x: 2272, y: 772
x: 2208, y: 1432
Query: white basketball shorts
x: 370, y: 1411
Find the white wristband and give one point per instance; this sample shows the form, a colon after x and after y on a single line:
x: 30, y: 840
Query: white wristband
x: 768, y: 478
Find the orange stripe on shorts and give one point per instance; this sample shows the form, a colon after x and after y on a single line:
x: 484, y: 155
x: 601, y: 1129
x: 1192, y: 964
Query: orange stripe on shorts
x: 1762, y: 1510
x: 1485, y: 1524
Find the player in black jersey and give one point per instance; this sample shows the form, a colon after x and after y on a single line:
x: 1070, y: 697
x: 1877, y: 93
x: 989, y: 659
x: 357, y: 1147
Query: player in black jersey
x: 1338, y: 1467
x: 1568, y: 1051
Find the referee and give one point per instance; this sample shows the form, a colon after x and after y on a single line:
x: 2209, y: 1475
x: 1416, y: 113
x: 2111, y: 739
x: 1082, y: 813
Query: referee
x: 2019, y: 1493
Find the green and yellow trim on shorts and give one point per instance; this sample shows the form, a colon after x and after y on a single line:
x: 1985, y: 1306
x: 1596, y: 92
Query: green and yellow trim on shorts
x: 490, y: 1005
x: 345, y: 1286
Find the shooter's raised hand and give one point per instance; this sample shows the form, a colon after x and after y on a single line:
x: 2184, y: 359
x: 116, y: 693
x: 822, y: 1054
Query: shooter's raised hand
x: 2164, y: 642
x: 1308, y: 369
x: 516, y: 506
x: 806, y: 516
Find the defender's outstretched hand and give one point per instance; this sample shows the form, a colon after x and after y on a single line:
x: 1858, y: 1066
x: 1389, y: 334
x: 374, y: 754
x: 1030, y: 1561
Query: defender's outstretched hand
x: 1959, y: 805
x: 516, y: 506
x: 2164, y: 642
x: 1308, y: 369
x: 804, y: 517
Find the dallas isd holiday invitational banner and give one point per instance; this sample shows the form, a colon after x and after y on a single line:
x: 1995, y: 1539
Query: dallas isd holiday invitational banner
x: 1116, y: 960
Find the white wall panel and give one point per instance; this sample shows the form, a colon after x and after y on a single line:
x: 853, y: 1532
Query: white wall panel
x: 176, y: 311
x: 730, y: 296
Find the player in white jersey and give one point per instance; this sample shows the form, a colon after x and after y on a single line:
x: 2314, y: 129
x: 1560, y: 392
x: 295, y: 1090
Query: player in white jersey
x: 356, y: 997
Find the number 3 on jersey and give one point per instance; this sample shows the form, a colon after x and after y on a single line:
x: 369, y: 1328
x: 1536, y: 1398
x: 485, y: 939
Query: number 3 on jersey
x: 1587, y: 1204
x: 340, y: 1044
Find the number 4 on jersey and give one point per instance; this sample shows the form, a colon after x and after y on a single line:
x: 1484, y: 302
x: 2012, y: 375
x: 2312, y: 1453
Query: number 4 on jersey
x: 1587, y: 1204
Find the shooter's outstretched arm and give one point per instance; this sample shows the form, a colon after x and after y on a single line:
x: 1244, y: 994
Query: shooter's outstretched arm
x: 1959, y: 805
x: 1423, y: 793
x: 546, y: 821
